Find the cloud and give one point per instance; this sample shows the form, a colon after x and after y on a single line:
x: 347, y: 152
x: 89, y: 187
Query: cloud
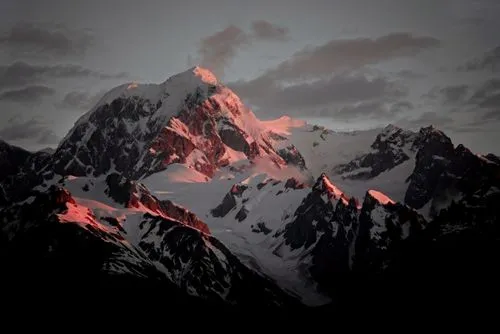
x: 327, y: 78
x: 432, y: 94
x: 48, y: 137
x: 348, y: 54
x: 270, y: 95
x: 218, y: 50
x: 264, y: 30
x: 487, y: 98
x: 35, y: 39
x: 493, y: 114
x: 486, y: 90
x: 409, y: 74
x: 472, y: 21
x: 21, y: 73
x: 401, y: 106
x: 455, y: 93
x: 489, y: 61
x: 426, y: 119
x: 375, y: 109
x: 80, y: 100
x: 28, y: 94
x: 32, y: 129
x: 491, y: 101
x: 324, y: 78
x: 362, y: 109
x: 451, y: 95
x: 431, y: 117
x: 482, y: 101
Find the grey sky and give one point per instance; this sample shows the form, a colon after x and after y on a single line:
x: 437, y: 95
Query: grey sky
x: 348, y: 64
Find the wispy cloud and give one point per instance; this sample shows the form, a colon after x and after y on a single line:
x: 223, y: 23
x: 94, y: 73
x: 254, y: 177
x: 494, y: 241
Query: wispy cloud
x: 218, y: 50
x: 489, y: 61
x: 348, y: 54
x: 80, y: 100
x: 21, y: 73
x: 28, y: 94
x: 264, y: 30
x: 34, y: 39
x: 33, y: 129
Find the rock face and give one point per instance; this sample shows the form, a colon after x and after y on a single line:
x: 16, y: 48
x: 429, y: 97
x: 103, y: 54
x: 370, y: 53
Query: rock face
x: 383, y: 225
x: 292, y: 156
x: 346, y: 247
x: 190, y: 119
x: 313, y: 216
x: 59, y: 238
x: 20, y: 171
x: 434, y: 154
x: 443, y: 173
x: 133, y: 195
x: 336, y: 236
x: 201, y: 264
x: 321, y: 230
x: 392, y: 147
x: 12, y: 159
x: 42, y: 246
x: 230, y: 200
x: 293, y: 183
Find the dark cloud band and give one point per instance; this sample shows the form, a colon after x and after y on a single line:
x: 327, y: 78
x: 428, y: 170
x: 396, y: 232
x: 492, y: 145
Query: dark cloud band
x: 32, y: 129
x: 30, y: 38
x: 22, y: 73
x: 28, y: 94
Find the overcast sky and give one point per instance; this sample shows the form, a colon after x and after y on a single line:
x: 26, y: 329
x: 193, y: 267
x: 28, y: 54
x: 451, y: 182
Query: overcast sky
x: 350, y: 64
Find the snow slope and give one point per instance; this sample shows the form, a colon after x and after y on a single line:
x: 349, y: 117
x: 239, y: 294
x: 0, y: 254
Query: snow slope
x: 322, y: 148
x: 266, y: 207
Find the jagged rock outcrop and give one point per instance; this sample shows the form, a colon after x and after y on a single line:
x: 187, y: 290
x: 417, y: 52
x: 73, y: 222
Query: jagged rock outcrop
x: 20, y: 171
x: 321, y: 230
x: 201, y: 264
x: 132, y: 194
x: 434, y: 154
x: 229, y: 201
x: 390, y: 149
x: 56, y: 238
x: 383, y: 225
x: 334, y: 235
x: 292, y: 156
x: 44, y: 244
x: 443, y: 173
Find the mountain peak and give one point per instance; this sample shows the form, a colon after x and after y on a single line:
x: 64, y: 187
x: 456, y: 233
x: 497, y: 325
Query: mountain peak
x: 205, y: 75
x: 431, y: 130
x: 324, y: 185
x: 380, y: 197
x: 188, y: 119
x: 193, y: 76
x: 391, y: 128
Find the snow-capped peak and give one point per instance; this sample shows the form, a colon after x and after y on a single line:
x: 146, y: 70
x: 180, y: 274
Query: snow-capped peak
x: 173, y: 91
x: 395, y: 135
x: 191, y: 118
x: 390, y: 128
x: 323, y: 184
x: 205, y: 75
x: 380, y: 197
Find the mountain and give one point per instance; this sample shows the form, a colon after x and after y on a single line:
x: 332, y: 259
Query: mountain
x: 20, y: 171
x: 128, y: 239
x: 180, y: 188
x: 190, y: 119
